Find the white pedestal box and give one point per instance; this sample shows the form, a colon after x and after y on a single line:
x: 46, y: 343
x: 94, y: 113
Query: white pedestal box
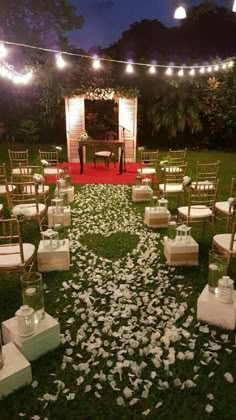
x: 57, y: 259
x: 211, y: 310
x: 177, y: 252
x: 141, y: 193
x: 64, y: 218
x: 45, y: 338
x: 70, y: 191
x: 16, y: 371
x: 154, y: 217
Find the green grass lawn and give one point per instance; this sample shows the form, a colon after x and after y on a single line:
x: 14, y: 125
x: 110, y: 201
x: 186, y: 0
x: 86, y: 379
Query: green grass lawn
x: 131, y: 345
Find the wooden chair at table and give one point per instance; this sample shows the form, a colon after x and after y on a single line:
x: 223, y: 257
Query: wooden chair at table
x: 201, y: 205
x: 26, y: 175
x: 224, y: 209
x: 14, y: 254
x: 206, y: 173
x: 226, y: 242
x: 53, y: 169
x: 149, y: 162
x: 18, y: 158
x: 26, y: 198
x: 172, y: 181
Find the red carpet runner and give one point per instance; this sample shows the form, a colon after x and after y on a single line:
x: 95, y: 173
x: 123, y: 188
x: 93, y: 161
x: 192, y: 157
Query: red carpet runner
x: 100, y: 174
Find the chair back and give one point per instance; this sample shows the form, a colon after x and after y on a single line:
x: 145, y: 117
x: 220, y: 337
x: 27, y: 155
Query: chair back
x: 204, y: 196
x: 18, y: 157
x: 177, y: 157
x: 233, y: 236
x: 51, y: 157
x: 23, y: 193
x: 149, y: 157
x: 2, y: 172
x: 26, y: 173
x: 174, y: 174
x: 207, y: 171
x: 233, y: 188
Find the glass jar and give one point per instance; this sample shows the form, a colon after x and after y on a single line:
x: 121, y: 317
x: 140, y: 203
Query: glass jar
x: 225, y: 289
x: 50, y: 239
x: 32, y: 293
x: 1, y: 355
x: 58, y: 205
x: 67, y: 181
x: 25, y: 321
x: 171, y: 230
x: 217, y: 268
x: 63, y: 195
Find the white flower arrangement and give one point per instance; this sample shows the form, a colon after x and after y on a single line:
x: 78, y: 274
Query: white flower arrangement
x: 38, y: 179
x: 58, y: 148
x: 187, y: 181
x: 84, y: 136
x: 45, y: 163
x: 141, y: 149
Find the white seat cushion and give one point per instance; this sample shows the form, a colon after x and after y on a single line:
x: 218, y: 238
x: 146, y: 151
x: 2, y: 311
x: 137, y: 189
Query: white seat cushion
x: 104, y: 154
x: 1, y: 207
x: 196, y: 212
x: 21, y: 171
x: 30, y: 189
x: 10, y: 254
x: 52, y: 171
x: 223, y: 240
x: 223, y: 207
x: 30, y: 209
x: 146, y: 171
x: 171, y: 188
x: 3, y: 188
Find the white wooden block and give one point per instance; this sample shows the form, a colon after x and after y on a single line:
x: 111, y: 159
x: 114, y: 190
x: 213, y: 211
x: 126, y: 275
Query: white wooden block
x: 211, y: 310
x: 141, y: 193
x: 70, y: 191
x: 156, y: 218
x: 53, y: 259
x: 179, y: 253
x: 64, y: 218
x: 45, y: 338
x: 16, y: 371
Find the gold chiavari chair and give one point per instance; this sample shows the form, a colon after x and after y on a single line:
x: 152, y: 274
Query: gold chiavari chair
x: 149, y: 161
x: 26, y: 174
x: 18, y: 158
x: 14, y: 254
x: 51, y: 157
x: 206, y: 173
x: 226, y: 242
x: 172, y: 181
x: 224, y: 209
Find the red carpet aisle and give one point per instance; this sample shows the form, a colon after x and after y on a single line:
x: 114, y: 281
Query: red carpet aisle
x: 101, y: 175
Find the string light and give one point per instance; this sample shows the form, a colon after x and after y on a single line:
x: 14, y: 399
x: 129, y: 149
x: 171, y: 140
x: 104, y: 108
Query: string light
x: 216, y: 68
x: 180, y: 13
x: 192, y: 72
x: 3, y: 50
x: 96, y: 63
x: 234, y: 6
x: 169, y: 71
x: 209, y: 69
x: 181, y: 72
x: 129, y: 68
x: 152, y: 70
x: 60, y: 61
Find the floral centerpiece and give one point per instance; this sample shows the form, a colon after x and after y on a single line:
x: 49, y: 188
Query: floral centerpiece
x: 84, y: 136
x: 38, y: 179
x: 58, y: 149
x: 232, y: 203
x: 45, y: 163
x: 20, y: 211
x: 187, y: 181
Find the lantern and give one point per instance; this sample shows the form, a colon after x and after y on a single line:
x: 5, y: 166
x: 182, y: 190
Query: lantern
x: 225, y: 289
x: 67, y: 181
x: 58, y: 205
x: 146, y: 181
x: 32, y: 294
x: 184, y: 233
x: 25, y: 321
x: 162, y: 204
x: 217, y: 269
x: 50, y: 239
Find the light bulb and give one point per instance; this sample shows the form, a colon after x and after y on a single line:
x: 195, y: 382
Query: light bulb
x: 224, y: 66
x: 152, y: 70
x: 181, y: 72
x: 129, y: 68
x: 169, y: 71
x: 202, y: 70
x: 209, y: 69
x: 180, y: 13
x: 96, y: 63
x: 230, y: 64
x: 234, y: 6
x: 192, y: 72
x: 60, y: 62
x: 3, y: 51
x: 216, y: 68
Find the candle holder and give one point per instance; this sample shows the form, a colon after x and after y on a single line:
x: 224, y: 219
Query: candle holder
x: 61, y: 183
x: 59, y: 228
x: 25, y: 321
x: 63, y: 195
x: 183, y: 233
x: 58, y: 205
x: 50, y: 239
x: 171, y: 230
x: 217, y: 268
x: 32, y: 293
x: 68, y: 181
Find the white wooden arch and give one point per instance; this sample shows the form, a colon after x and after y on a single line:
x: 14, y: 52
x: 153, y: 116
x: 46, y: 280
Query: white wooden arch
x: 75, y: 125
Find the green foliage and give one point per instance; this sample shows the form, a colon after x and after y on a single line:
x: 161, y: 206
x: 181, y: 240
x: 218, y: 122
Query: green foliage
x: 104, y: 93
x: 28, y: 132
x: 177, y: 109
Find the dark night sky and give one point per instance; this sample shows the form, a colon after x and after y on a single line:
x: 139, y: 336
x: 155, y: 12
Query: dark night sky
x: 105, y: 20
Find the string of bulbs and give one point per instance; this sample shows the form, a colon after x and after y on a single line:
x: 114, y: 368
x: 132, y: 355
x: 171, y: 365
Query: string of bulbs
x: 180, y: 11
